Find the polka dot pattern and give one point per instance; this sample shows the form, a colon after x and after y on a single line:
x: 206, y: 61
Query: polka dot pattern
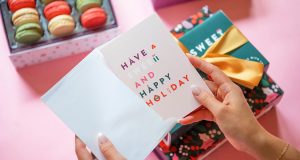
x: 62, y: 49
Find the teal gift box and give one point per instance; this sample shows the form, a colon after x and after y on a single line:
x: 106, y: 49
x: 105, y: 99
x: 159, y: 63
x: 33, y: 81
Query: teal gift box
x: 200, y: 38
x: 197, y: 140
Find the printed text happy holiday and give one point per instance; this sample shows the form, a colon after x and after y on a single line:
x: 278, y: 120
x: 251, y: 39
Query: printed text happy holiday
x: 151, y: 87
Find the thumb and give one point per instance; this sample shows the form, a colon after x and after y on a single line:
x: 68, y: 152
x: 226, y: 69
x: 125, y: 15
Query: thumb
x: 108, y: 149
x: 207, y: 99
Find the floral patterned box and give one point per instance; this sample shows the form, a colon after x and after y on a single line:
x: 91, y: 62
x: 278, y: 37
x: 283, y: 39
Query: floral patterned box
x: 198, y: 140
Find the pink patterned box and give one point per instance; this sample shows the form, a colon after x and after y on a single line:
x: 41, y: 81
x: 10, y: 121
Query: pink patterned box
x: 65, y: 48
x: 49, y: 47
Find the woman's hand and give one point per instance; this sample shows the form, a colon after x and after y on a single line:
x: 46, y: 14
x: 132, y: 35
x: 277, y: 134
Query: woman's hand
x: 232, y: 113
x: 106, y: 147
x: 227, y: 106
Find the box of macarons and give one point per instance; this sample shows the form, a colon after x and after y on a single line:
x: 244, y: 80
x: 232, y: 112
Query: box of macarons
x: 41, y: 30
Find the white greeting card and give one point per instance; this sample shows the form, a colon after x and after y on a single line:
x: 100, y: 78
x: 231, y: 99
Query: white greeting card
x: 91, y: 100
x: 98, y: 96
x: 150, y: 62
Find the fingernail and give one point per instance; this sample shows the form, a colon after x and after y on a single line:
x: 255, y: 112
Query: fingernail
x: 195, y: 90
x: 179, y: 121
x: 102, y: 139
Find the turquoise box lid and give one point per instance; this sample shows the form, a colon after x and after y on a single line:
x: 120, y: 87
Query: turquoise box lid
x: 198, y: 40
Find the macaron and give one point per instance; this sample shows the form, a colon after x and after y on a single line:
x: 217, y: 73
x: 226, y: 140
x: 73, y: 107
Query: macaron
x: 61, y: 25
x: 56, y: 8
x: 15, y: 5
x: 93, y: 17
x: 83, y: 5
x: 49, y: 1
x: 25, y: 15
x: 29, y: 33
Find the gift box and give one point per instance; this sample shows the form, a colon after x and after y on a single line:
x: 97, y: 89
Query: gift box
x: 200, y: 139
x: 193, y: 24
x: 49, y: 47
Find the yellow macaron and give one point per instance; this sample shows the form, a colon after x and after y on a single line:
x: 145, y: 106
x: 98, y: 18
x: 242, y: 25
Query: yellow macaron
x: 25, y: 15
x: 61, y: 25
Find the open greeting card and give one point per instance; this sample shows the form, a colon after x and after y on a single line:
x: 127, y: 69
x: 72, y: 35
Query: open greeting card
x: 132, y: 89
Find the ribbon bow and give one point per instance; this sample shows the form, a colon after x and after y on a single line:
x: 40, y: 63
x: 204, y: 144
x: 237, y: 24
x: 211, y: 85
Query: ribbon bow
x: 244, y: 72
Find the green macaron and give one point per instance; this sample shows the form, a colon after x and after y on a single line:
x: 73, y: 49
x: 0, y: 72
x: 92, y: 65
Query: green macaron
x: 83, y: 5
x: 29, y: 33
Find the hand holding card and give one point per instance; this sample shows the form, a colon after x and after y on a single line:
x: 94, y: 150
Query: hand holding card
x: 132, y: 90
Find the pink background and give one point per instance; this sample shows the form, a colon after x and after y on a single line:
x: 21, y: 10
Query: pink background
x: 29, y: 130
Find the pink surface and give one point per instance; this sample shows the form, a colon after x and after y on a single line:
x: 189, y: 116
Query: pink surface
x: 29, y: 130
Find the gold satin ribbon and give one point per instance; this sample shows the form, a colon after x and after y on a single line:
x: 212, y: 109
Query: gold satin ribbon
x: 244, y: 72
